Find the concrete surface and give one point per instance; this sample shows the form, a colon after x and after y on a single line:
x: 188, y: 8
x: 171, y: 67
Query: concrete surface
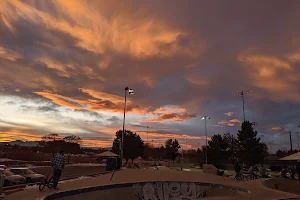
x: 259, y: 191
x: 285, y: 185
x: 72, y: 171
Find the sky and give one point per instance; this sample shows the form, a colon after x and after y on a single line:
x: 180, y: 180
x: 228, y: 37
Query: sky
x: 64, y: 66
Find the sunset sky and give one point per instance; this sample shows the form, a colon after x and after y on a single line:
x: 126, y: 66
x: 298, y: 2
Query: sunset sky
x: 64, y: 66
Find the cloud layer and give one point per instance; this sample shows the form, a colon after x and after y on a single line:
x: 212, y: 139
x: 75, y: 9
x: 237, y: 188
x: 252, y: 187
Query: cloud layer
x: 64, y: 67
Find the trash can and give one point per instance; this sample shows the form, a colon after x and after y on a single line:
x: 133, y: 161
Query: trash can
x: 119, y: 163
x: 113, y: 163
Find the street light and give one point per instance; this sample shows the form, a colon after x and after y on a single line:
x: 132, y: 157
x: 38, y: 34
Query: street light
x: 298, y: 140
x: 242, y: 94
x: 205, y: 118
x: 129, y: 91
x: 147, y: 134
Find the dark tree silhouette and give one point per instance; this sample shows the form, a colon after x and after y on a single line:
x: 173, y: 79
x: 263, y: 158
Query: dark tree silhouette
x: 133, y: 145
x: 218, y: 149
x: 73, y: 139
x: 53, y: 143
x: 284, y: 153
x: 51, y: 137
x: 172, y: 147
x: 250, y: 149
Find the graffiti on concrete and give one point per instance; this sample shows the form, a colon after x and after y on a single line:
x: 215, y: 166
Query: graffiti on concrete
x: 169, y: 191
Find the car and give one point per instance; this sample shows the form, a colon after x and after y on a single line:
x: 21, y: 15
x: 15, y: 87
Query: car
x: 31, y: 177
x: 11, y: 178
x: 3, y: 167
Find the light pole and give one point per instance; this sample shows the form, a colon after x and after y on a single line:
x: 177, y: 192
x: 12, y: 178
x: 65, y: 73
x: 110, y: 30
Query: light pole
x: 129, y: 91
x: 298, y: 140
x: 147, y: 134
x: 242, y: 94
x: 205, y: 118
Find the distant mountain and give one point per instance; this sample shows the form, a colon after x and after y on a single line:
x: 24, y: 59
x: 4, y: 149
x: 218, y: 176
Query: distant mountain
x: 23, y: 144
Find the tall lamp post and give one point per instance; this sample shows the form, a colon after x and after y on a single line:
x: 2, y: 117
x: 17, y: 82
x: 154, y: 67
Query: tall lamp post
x: 129, y: 91
x: 298, y: 140
x: 242, y: 94
x: 205, y: 119
x: 147, y: 134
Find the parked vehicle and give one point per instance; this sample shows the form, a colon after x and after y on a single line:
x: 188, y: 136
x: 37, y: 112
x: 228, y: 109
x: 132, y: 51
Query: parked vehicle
x: 3, y: 167
x: 11, y: 178
x: 31, y: 177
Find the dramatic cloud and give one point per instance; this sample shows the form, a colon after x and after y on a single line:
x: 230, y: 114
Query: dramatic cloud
x: 230, y: 122
x: 171, y: 117
x: 65, y: 65
x: 229, y: 114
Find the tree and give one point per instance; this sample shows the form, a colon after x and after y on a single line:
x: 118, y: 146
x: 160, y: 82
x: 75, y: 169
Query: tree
x: 73, y: 139
x: 284, y: 153
x: 218, y: 149
x: 53, y: 143
x: 250, y: 150
x: 232, y: 143
x: 149, y: 151
x: 133, y: 145
x: 172, y: 147
x: 51, y: 137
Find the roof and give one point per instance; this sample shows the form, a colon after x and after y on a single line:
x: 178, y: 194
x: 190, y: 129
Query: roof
x: 107, y: 154
x: 295, y: 156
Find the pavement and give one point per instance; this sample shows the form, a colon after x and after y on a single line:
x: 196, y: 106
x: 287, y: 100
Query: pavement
x: 259, y: 191
x: 72, y: 171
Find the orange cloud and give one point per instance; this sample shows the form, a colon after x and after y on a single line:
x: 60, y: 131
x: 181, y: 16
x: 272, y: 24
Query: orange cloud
x: 62, y: 69
x: 9, y: 54
x: 170, y: 135
x: 109, y: 102
x: 197, y: 81
x: 266, y: 72
x: 229, y: 114
x: 171, y: 117
x: 235, y: 121
x: 168, y: 110
x: 60, y: 100
x: 229, y: 122
x: 105, y: 96
x: 126, y: 32
x: 96, y: 143
x: 13, y: 135
x: 276, y: 128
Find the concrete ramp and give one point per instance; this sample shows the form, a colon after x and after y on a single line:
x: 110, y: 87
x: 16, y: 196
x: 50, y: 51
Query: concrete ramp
x: 209, y: 168
x: 285, y: 185
x: 155, y: 191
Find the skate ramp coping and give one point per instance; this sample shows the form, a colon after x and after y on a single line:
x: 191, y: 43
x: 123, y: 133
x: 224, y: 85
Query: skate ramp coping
x: 285, y: 185
x: 154, y: 190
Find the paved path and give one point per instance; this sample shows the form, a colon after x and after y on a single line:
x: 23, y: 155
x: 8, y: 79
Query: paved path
x: 143, y: 175
x: 73, y: 171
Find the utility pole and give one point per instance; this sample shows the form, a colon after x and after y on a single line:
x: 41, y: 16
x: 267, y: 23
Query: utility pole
x: 298, y: 140
x: 205, y: 118
x: 242, y: 94
x: 291, y: 140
